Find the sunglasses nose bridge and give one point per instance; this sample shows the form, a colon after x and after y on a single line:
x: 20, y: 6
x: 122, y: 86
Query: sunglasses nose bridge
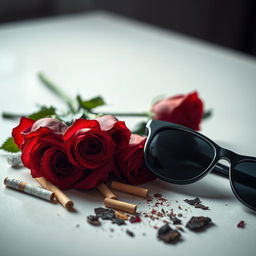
x: 227, y: 154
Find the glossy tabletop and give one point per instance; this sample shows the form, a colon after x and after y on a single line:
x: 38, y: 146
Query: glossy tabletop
x: 129, y: 63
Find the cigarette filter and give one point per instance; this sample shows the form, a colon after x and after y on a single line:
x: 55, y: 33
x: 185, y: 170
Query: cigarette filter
x: 61, y: 197
x: 130, y: 189
x: 106, y: 192
x: 120, y: 205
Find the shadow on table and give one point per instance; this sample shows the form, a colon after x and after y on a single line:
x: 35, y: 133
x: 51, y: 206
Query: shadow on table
x: 203, y: 188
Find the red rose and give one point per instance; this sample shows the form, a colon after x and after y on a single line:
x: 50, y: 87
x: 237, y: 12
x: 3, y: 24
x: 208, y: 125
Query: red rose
x: 116, y: 129
x: 43, y: 151
x: 28, y: 125
x: 94, y: 177
x: 131, y: 164
x: 186, y: 110
x: 87, y: 145
x: 52, y: 162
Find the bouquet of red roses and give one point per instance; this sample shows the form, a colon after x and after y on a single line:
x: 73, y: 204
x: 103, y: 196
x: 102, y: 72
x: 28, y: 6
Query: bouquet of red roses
x: 86, y: 152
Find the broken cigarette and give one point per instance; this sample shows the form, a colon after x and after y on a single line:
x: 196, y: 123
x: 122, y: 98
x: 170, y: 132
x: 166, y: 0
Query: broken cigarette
x: 130, y: 189
x: 14, y: 160
x: 106, y: 192
x: 61, y: 197
x: 121, y: 215
x: 120, y: 205
x: 29, y: 189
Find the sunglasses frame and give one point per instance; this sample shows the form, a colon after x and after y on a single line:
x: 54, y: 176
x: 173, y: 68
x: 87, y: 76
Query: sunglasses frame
x: 153, y: 127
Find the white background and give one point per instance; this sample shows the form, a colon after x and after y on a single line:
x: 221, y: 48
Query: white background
x: 129, y: 64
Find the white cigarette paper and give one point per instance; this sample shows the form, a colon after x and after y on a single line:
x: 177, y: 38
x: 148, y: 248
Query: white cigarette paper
x: 29, y: 189
x: 61, y: 197
x: 14, y: 160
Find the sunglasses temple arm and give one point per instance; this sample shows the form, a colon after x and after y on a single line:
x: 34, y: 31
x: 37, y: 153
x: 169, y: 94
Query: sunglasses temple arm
x: 221, y: 169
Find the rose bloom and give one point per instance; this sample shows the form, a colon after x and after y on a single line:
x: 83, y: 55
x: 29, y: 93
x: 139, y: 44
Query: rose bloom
x: 131, y: 165
x: 43, y: 151
x: 94, y: 177
x: 182, y: 109
x: 87, y: 145
x: 116, y: 129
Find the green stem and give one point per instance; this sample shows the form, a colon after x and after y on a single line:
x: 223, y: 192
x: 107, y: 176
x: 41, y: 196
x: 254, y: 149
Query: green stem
x: 11, y: 116
x: 142, y: 114
x: 57, y: 91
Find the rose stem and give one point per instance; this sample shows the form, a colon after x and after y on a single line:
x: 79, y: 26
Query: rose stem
x: 57, y: 91
x: 11, y: 116
x: 143, y: 114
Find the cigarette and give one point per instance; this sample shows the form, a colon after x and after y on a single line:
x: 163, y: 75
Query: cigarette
x: 130, y: 189
x: 14, y: 160
x: 61, y: 197
x: 121, y: 215
x: 120, y: 205
x: 106, y: 192
x: 29, y: 189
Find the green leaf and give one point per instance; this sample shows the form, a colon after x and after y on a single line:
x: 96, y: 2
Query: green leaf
x: 43, y: 112
x: 10, y: 146
x: 90, y: 104
x: 140, y: 128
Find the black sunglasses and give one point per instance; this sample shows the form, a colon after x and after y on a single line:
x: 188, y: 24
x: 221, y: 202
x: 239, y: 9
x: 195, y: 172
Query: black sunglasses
x: 180, y: 155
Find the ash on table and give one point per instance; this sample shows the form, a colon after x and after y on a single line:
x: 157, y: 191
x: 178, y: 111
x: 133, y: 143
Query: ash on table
x: 168, y: 235
x: 196, y: 203
x: 93, y: 220
x: 198, y: 223
x: 108, y: 214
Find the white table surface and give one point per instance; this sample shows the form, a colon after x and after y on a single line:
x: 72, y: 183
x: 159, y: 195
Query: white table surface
x: 129, y: 63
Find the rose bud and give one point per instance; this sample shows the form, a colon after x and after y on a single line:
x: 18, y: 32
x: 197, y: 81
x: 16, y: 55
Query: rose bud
x: 130, y: 161
x: 87, y: 145
x: 116, y: 129
x: 185, y: 110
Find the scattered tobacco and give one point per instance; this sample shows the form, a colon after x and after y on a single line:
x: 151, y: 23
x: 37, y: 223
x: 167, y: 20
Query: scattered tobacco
x: 129, y: 233
x: 180, y: 229
x: 118, y: 221
x: 168, y: 235
x: 193, y: 201
x: 241, y: 224
x: 135, y: 219
x: 165, y: 214
x: 175, y: 220
x: 105, y: 214
x: 197, y: 223
x: 196, y: 203
x: 93, y: 220
x: 157, y: 195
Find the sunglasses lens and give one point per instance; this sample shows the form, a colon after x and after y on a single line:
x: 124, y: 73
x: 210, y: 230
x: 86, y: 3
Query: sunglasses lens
x: 177, y: 155
x: 244, y: 181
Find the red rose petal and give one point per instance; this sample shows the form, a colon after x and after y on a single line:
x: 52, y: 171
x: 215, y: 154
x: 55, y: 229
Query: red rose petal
x: 78, y: 125
x: 24, y: 124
